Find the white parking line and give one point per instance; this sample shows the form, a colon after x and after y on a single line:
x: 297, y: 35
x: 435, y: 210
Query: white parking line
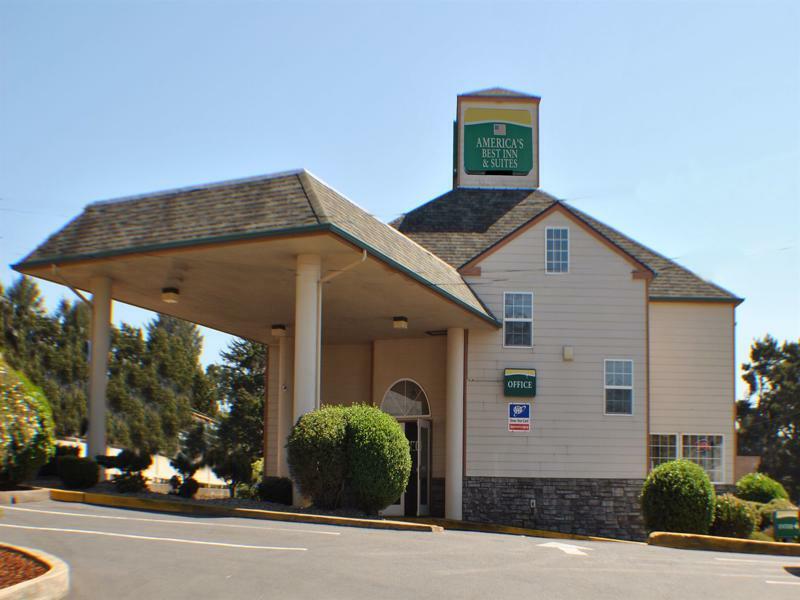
x: 154, y: 539
x: 776, y: 561
x: 783, y: 582
x: 171, y: 521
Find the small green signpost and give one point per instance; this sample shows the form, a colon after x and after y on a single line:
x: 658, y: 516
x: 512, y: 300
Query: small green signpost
x: 519, y: 383
x: 785, y: 524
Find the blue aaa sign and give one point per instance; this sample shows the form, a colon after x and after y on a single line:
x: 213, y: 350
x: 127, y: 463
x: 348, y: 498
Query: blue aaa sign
x: 520, y: 383
x: 519, y: 416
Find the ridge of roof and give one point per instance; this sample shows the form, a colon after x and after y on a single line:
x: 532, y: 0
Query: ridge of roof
x: 198, y: 187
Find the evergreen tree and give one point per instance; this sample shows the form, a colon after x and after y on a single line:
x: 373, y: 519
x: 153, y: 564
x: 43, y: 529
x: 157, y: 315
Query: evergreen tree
x: 770, y: 427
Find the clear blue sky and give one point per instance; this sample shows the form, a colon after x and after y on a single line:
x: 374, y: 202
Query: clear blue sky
x: 676, y: 122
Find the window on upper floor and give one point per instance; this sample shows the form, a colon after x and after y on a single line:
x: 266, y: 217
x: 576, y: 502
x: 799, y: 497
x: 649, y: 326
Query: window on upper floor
x: 518, y: 319
x: 557, y: 250
x: 619, y: 386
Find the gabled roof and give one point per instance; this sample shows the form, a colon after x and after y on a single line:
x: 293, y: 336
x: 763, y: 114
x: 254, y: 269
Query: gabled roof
x: 290, y: 202
x: 462, y: 224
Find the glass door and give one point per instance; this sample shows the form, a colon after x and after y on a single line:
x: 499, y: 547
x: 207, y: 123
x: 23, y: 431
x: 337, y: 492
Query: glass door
x: 423, y: 467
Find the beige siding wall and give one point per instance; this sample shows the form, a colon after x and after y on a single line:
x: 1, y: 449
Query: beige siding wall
x: 599, y: 310
x: 424, y: 361
x: 692, y: 371
x: 346, y: 374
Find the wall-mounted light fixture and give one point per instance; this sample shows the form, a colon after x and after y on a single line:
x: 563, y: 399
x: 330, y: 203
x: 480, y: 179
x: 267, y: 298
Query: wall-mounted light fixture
x: 568, y: 353
x: 400, y: 322
x: 170, y: 295
x: 278, y: 331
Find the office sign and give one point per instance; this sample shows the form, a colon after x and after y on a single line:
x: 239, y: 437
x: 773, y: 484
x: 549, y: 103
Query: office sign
x: 519, y: 416
x: 519, y: 383
x: 785, y: 524
x: 498, y: 141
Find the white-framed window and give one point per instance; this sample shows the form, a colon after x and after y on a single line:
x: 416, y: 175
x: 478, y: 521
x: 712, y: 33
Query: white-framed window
x: 703, y: 449
x: 706, y: 451
x: 556, y: 258
x: 618, y: 386
x: 663, y: 448
x: 518, y: 319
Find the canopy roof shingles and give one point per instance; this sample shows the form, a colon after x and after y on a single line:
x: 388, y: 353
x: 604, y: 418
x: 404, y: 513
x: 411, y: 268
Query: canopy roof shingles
x: 259, y: 207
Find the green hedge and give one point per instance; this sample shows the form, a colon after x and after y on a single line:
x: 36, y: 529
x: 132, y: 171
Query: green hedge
x: 734, y: 517
x: 356, y: 456
x: 678, y: 496
x: 78, y: 473
x: 766, y: 510
x: 27, y: 437
x: 379, y: 458
x: 759, y: 487
x: 317, y: 455
x: 275, y: 489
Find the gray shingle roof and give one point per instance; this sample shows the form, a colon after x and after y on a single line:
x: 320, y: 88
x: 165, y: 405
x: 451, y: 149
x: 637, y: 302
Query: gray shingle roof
x: 239, y: 209
x: 463, y: 223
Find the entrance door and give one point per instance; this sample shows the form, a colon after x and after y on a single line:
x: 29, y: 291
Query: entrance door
x: 415, y: 500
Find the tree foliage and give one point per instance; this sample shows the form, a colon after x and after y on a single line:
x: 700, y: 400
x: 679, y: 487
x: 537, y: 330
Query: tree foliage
x: 155, y: 377
x: 769, y: 421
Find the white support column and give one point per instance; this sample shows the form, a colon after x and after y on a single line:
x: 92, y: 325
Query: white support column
x: 306, y: 337
x: 284, y: 405
x: 98, y: 365
x: 454, y: 419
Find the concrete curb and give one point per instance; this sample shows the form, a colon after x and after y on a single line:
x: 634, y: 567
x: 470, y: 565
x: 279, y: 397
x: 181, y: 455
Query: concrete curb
x: 511, y: 530
x: 223, y: 511
x: 690, y: 541
x: 19, y: 496
x: 52, y: 585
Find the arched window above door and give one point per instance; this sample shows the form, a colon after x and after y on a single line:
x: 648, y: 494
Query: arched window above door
x: 406, y: 399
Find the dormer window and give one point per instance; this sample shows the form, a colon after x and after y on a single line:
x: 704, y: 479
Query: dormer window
x: 557, y: 250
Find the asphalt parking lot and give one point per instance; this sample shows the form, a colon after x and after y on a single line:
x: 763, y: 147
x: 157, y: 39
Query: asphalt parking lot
x: 115, y: 553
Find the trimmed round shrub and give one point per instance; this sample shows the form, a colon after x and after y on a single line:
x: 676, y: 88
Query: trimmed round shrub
x: 678, y: 496
x: 759, y: 487
x: 379, y: 458
x: 275, y: 489
x: 188, y: 488
x: 26, y: 427
x: 733, y: 517
x: 78, y: 473
x: 317, y: 455
x: 50, y: 468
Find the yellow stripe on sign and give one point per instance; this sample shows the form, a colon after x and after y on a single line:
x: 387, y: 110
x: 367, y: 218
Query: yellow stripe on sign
x: 528, y: 372
x: 490, y: 115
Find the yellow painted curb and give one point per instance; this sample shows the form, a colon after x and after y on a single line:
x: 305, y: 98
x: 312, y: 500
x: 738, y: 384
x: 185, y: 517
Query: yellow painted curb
x: 511, y: 530
x: 691, y: 541
x: 223, y: 511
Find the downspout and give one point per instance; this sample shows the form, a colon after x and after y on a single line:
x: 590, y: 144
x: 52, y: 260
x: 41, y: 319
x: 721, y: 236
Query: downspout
x: 329, y: 277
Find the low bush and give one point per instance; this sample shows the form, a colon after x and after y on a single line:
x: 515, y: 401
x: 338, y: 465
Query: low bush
x: 357, y: 456
x: 734, y: 517
x: 317, y: 455
x: 26, y: 427
x: 130, y: 463
x: 379, y: 458
x: 275, y: 489
x: 678, y: 496
x: 759, y: 487
x: 189, y: 487
x: 50, y: 468
x: 78, y: 473
x: 766, y: 510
